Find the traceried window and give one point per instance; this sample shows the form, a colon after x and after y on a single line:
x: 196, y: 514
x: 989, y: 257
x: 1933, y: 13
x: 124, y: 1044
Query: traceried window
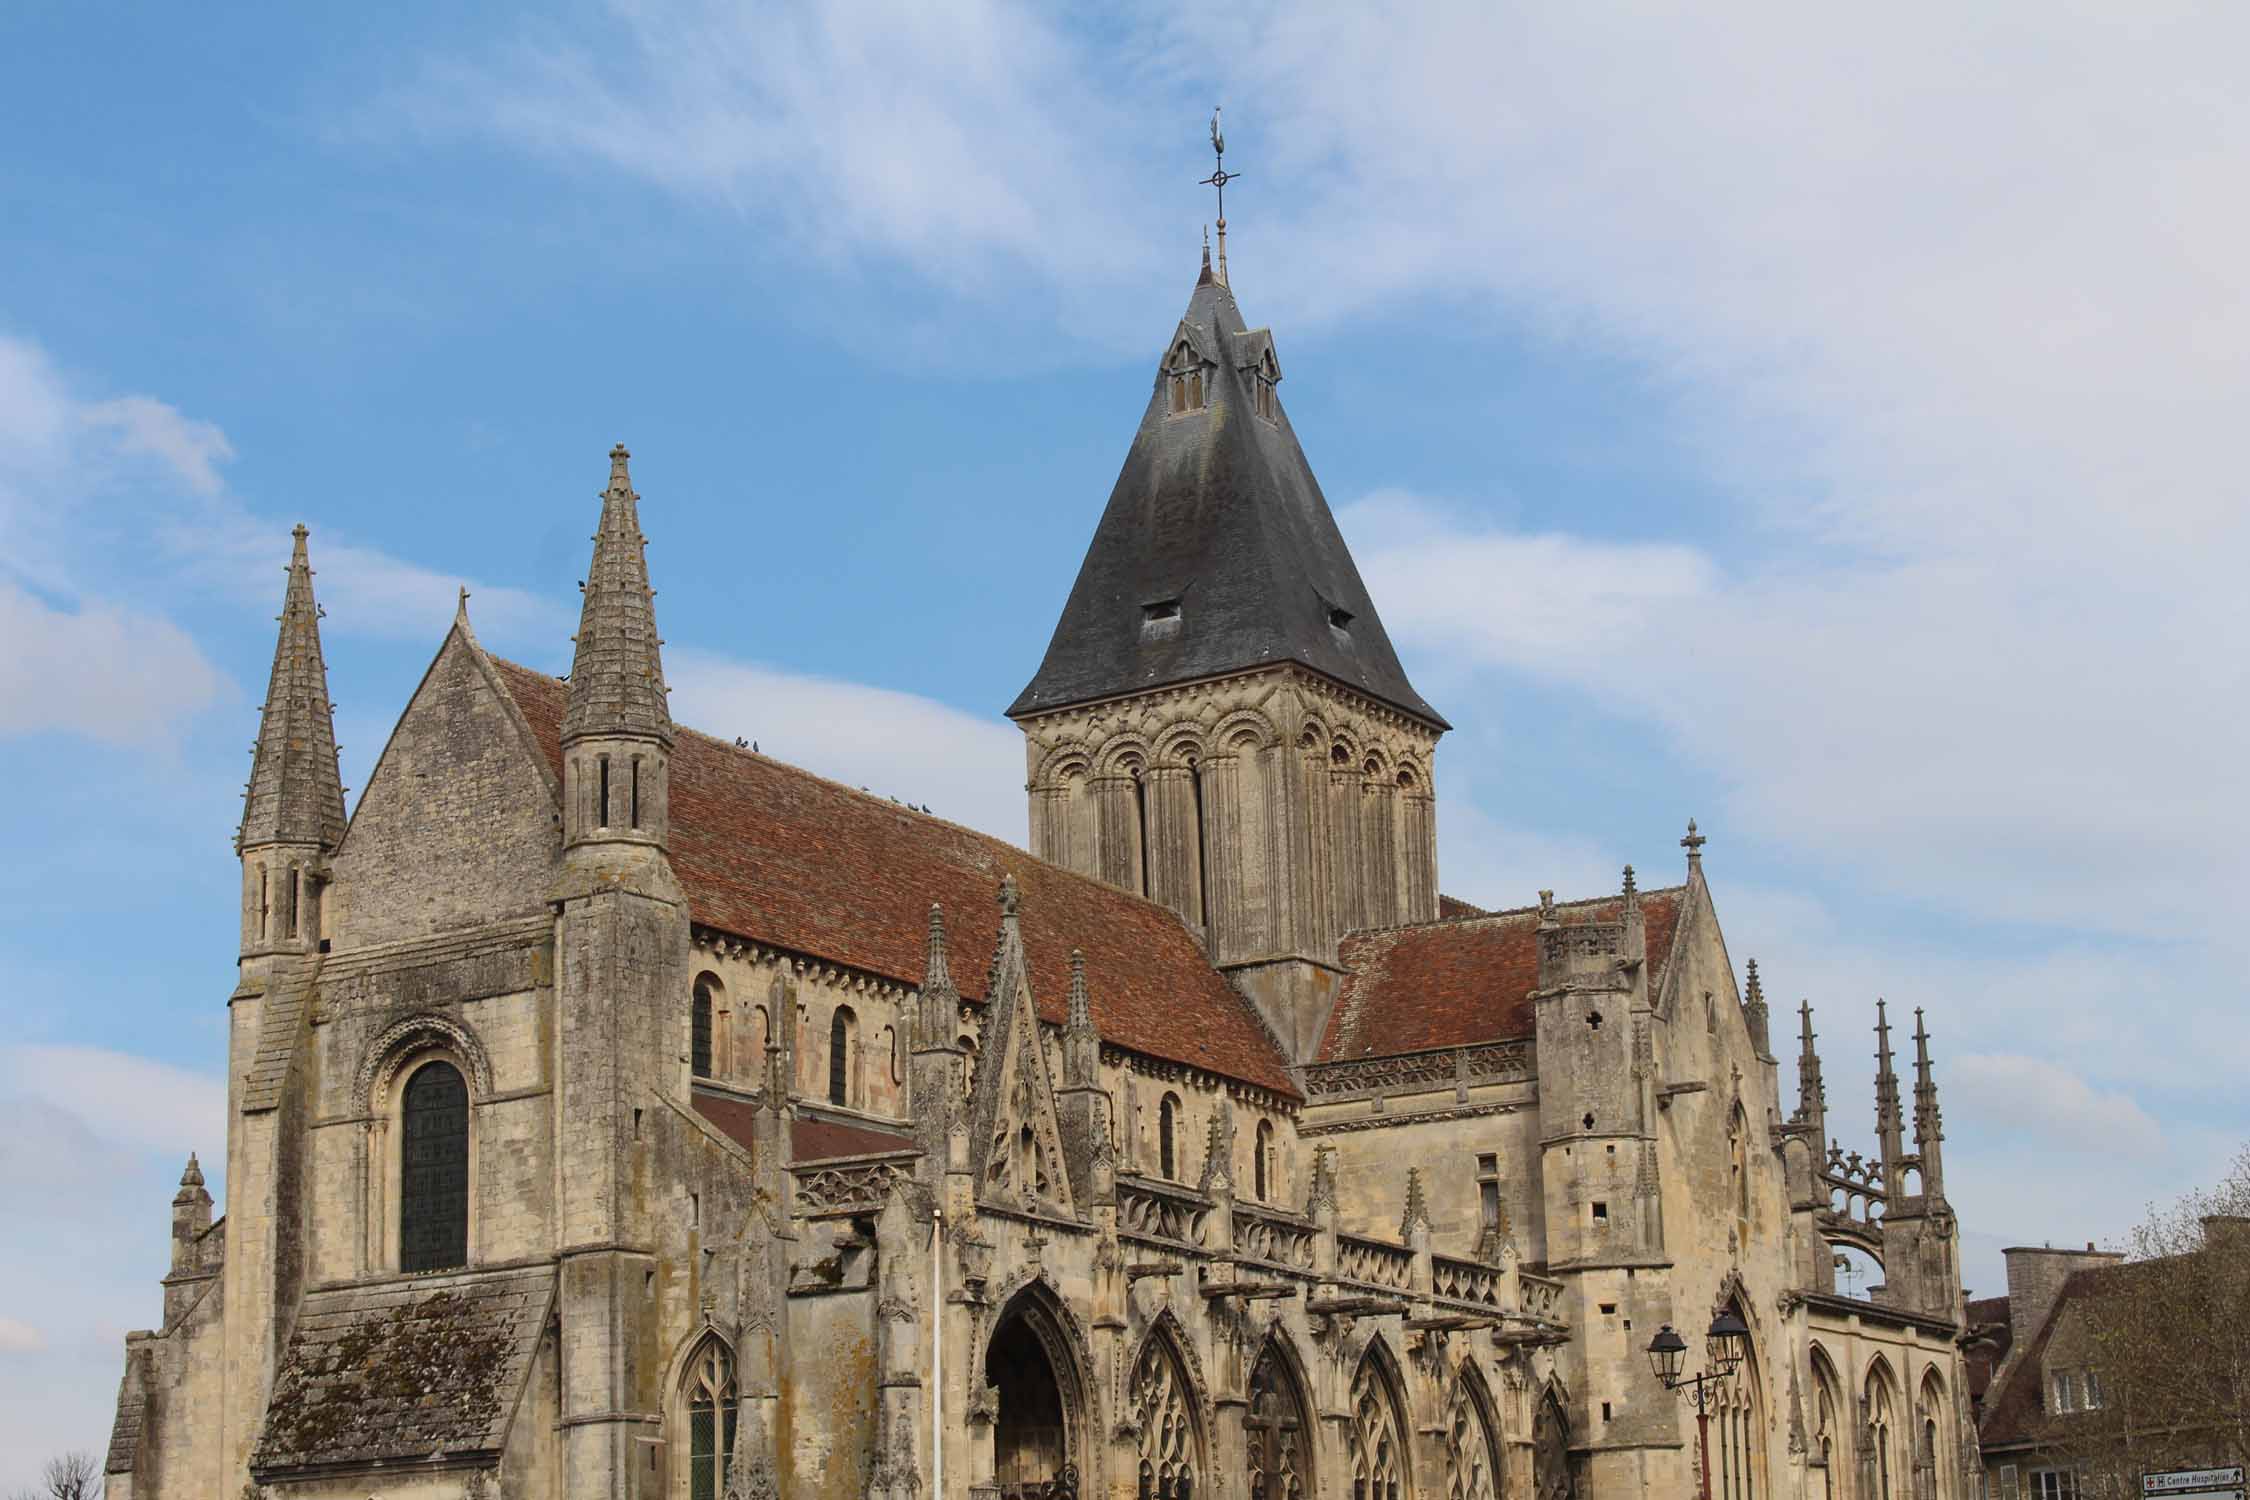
x: 1375, y: 1443
x: 1171, y: 1450
x: 700, y: 1026
x: 1472, y: 1465
x: 433, y: 1221
x: 711, y: 1411
x: 1278, y: 1431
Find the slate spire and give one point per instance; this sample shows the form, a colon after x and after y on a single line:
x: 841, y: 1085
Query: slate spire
x: 616, y: 674
x: 296, y: 795
x: 1217, y: 551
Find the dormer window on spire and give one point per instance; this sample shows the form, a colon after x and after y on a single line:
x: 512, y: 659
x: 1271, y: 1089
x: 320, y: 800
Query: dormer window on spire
x: 1264, y: 399
x: 1184, y: 373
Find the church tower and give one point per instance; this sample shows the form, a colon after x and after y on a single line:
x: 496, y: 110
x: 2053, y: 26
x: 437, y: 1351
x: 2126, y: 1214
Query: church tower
x: 1220, y: 722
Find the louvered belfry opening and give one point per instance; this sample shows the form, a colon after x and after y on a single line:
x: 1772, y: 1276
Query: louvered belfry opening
x: 433, y: 1227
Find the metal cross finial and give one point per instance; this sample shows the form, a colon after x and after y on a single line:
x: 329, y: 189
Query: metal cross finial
x: 1220, y: 176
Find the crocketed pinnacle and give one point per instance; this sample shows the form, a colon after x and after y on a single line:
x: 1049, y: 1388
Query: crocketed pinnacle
x: 1928, y: 1124
x: 937, y: 973
x: 1888, y: 1124
x: 1812, y: 1093
x: 296, y: 795
x: 617, y: 674
x: 191, y: 1181
x: 1081, y: 1005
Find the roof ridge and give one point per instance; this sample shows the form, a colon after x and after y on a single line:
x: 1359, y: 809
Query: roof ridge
x: 1512, y: 911
x: 880, y: 801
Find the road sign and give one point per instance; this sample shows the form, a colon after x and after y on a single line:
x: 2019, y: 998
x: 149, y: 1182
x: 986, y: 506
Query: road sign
x: 2195, y: 1484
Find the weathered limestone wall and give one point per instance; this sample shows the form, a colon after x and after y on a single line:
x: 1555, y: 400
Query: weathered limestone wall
x: 457, y: 822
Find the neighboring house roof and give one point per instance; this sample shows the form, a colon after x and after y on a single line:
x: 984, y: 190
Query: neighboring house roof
x: 2016, y: 1411
x: 1217, y: 510
x: 1991, y: 1337
x: 777, y: 855
x: 1463, y: 980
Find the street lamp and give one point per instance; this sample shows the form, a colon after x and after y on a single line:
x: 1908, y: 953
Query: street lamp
x: 1723, y: 1346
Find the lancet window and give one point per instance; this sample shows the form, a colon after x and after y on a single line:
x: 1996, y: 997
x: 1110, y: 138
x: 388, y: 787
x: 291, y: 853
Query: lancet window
x: 843, y: 1044
x: 433, y: 1225
x: 712, y: 1407
x: 700, y: 1025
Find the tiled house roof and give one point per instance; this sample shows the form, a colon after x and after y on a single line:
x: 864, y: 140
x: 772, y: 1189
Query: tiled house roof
x: 780, y: 856
x: 2016, y: 1409
x: 1462, y: 980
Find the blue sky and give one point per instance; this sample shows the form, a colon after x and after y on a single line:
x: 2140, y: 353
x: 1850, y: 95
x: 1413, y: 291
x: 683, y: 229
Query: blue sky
x: 1820, y: 426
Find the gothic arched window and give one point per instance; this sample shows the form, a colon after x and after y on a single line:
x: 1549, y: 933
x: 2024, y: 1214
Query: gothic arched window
x: 1167, y: 1132
x: 433, y: 1199
x: 843, y: 1043
x: 1262, y: 1168
x: 1184, y: 373
x: 711, y: 1410
x: 699, y: 1030
x: 1375, y: 1443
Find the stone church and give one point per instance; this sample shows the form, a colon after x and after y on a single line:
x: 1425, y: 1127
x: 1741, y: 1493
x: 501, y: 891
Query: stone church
x: 615, y: 1111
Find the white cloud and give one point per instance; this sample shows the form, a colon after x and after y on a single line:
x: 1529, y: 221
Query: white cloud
x: 2055, y: 1106
x: 19, y: 1337
x: 146, y: 1105
x: 142, y: 425
x: 963, y: 767
x: 110, y: 673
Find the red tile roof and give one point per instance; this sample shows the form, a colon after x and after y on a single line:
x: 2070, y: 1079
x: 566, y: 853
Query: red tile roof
x: 1453, y: 982
x: 809, y: 1139
x: 780, y: 856
x: 1451, y: 908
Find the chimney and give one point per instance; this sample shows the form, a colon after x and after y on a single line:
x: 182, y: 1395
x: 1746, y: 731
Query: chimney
x: 2035, y: 1277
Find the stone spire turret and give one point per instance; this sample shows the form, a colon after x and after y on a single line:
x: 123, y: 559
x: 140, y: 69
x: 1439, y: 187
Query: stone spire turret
x: 1890, y: 1131
x: 293, y: 807
x: 1929, y: 1126
x: 617, y: 727
x: 1754, y: 1013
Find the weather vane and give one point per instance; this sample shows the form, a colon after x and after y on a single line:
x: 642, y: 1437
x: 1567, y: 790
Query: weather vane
x: 1219, y: 179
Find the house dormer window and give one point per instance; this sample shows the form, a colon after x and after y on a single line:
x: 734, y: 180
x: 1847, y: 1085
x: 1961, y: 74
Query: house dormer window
x: 1184, y: 373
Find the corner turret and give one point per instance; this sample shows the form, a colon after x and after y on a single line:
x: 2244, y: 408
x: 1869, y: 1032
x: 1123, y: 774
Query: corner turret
x: 617, y: 727
x: 293, y: 807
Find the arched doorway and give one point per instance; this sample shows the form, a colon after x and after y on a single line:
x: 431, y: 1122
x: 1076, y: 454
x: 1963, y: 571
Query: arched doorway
x: 1279, y: 1429
x: 1036, y: 1453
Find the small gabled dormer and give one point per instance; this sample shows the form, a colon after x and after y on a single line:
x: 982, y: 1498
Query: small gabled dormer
x: 1187, y: 379
x: 1265, y: 374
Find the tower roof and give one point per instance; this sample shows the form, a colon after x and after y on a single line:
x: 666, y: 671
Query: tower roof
x: 1217, y: 551
x: 617, y: 674
x: 296, y: 795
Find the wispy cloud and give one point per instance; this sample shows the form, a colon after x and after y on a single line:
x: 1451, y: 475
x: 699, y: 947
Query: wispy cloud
x: 963, y: 767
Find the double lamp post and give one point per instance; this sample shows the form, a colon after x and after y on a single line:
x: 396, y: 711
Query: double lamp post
x: 1723, y: 1347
